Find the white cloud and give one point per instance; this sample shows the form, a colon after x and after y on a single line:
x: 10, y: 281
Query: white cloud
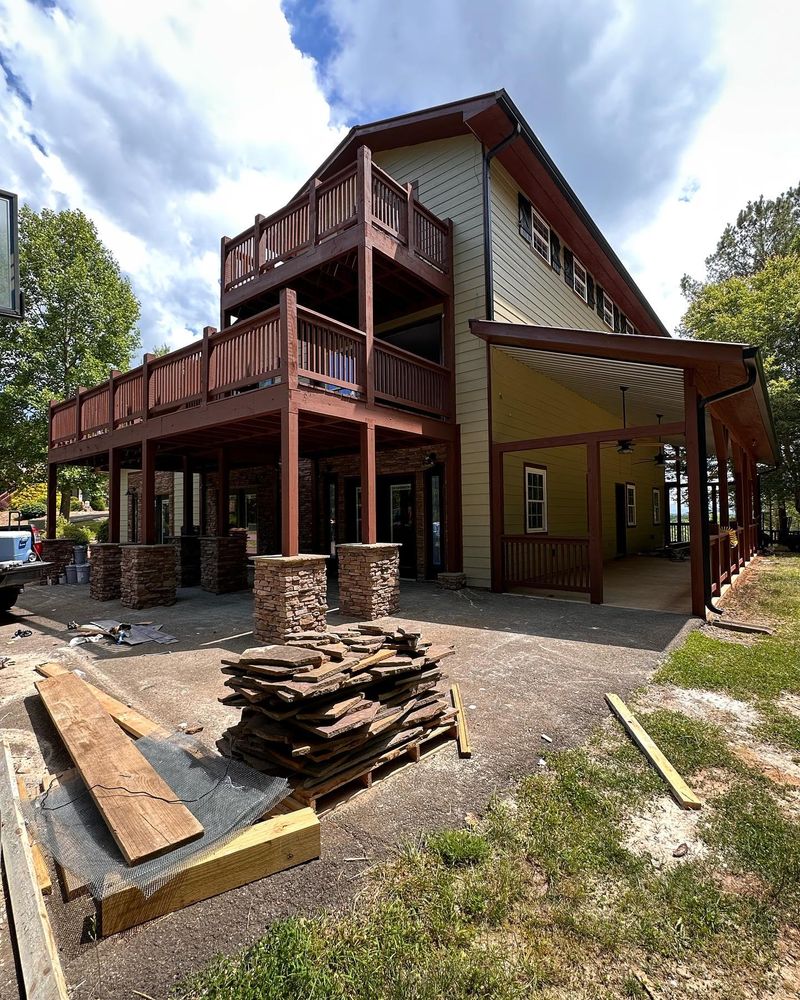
x: 170, y: 124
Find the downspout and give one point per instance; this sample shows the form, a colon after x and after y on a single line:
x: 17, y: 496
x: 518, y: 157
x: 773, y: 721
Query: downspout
x: 488, y: 156
x: 702, y: 403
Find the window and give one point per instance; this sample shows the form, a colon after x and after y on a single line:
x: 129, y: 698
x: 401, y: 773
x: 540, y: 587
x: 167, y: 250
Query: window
x: 541, y: 236
x: 525, y: 224
x: 579, y: 279
x: 656, y: 505
x: 627, y: 327
x: 630, y: 505
x: 535, y: 499
x: 608, y: 311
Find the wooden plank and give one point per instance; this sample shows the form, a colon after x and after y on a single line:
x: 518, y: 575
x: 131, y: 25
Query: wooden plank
x: 36, y: 946
x: 261, y: 850
x: 464, y: 745
x: 127, y: 718
x: 39, y: 864
x: 72, y: 885
x: 683, y: 795
x: 140, y: 809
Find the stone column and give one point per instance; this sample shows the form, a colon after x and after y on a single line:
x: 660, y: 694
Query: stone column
x: 148, y: 575
x: 369, y: 579
x: 105, y: 581
x: 57, y: 551
x: 187, y: 560
x: 290, y: 596
x: 223, y: 562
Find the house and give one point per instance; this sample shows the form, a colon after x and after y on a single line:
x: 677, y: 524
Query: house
x: 429, y: 363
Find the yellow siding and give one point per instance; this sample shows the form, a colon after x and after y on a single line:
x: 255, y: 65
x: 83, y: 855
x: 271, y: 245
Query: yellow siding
x: 526, y: 404
x: 449, y: 175
x: 526, y: 288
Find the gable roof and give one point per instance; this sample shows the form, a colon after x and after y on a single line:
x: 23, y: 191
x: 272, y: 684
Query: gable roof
x: 491, y: 118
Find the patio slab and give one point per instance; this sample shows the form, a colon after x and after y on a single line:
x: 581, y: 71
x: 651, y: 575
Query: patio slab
x: 526, y: 666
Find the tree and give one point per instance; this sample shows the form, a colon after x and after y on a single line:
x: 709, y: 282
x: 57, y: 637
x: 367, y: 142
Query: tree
x: 81, y: 320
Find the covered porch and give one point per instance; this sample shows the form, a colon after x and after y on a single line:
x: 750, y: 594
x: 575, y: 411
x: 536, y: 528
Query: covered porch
x: 625, y: 432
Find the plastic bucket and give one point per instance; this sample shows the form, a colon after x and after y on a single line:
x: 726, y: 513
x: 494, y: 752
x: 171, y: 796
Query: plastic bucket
x: 82, y: 570
x: 79, y: 555
x: 72, y: 573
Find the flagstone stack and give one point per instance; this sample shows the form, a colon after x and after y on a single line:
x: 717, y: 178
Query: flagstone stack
x: 328, y: 708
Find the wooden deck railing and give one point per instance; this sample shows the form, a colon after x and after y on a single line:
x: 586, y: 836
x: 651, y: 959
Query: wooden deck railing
x: 729, y: 551
x: 253, y: 354
x: 361, y: 190
x: 545, y: 562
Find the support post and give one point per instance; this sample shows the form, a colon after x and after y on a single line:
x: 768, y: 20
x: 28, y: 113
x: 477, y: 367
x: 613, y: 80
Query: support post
x: 696, y: 500
x: 146, y: 385
x: 369, y: 518
x: 205, y: 355
x: 721, y: 449
x: 188, y: 497
x: 114, y: 499
x: 595, y: 522
x: 365, y: 316
x: 148, y: 513
x: 257, y: 262
x: 78, y: 392
x: 497, y: 514
x: 112, y: 375
x: 290, y: 471
x: 410, y: 227
x: 223, y: 492
x: 288, y: 337
x: 452, y: 499
x: 313, y: 184
x: 52, y: 498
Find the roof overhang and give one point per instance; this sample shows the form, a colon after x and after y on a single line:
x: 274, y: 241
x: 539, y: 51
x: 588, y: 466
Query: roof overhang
x: 656, y: 362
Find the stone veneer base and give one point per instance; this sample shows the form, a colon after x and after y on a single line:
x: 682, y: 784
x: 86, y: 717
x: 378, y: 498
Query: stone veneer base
x: 105, y: 582
x: 223, y: 562
x: 369, y: 579
x: 148, y: 575
x: 290, y: 595
x: 452, y: 581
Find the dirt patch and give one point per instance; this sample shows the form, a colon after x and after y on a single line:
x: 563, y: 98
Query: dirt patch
x: 736, y: 717
x: 779, y: 766
x: 788, y: 987
x: 790, y: 703
x: 740, y: 602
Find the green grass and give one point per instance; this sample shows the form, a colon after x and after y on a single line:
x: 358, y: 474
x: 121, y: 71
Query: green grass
x: 780, y: 727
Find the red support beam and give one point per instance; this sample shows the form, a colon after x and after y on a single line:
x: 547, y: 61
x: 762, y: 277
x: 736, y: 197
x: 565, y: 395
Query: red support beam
x: 696, y: 500
x: 497, y: 516
x: 369, y: 518
x: 454, y: 555
x: 595, y: 522
x: 290, y: 472
x: 721, y: 449
x: 188, y: 496
x: 288, y: 337
x: 366, y: 316
x: 52, y: 499
x: 223, y: 492
x: 586, y: 437
x: 148, y: 514
x: 114, y: 499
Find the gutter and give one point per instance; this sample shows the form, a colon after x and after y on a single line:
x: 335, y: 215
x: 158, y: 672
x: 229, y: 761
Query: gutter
x: 703, y: 402
x: 488, y: 270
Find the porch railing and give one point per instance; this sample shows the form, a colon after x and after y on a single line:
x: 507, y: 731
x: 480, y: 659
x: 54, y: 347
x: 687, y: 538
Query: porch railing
x: 253, y: 354
x: 679, y: 533
x: 360, y: 190
x: 729, y: 551
x: 546, y: 562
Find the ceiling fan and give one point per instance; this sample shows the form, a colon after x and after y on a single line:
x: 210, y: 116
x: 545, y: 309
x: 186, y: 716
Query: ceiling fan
x: 624, y: 445
x: 660, y: 457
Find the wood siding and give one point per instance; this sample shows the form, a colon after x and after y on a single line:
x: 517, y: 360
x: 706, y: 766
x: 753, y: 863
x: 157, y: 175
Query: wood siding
x: 448, y: 173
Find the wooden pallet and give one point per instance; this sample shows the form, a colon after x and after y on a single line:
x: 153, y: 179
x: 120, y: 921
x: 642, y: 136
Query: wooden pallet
x: 388, y: 765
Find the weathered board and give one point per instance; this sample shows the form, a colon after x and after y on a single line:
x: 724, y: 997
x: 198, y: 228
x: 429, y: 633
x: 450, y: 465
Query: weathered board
x: 140, y: 809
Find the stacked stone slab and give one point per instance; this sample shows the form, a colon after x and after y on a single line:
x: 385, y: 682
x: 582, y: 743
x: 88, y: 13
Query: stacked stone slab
x: 369, y: 579
x: 330, y: 707
x: 187, y: 560
x: 59, y: 552
x: 452, y: 581
x: 289, y: 596
x: 223, y: 562
x: 147, y: 575
x: 105, y: 581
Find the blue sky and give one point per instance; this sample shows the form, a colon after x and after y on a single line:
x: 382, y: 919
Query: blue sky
x: 171, y: 124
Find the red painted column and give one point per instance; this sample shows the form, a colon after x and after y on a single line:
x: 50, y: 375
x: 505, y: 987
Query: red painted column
x: 369, y: 518
x: 290, y: 472
x: 454, y: 548
x: 595, y: 522
x: 52, y: 499
x: 223, y: 493
x: 114, y: 469
x: 148, y: 514
x: 365, y: 317
x: 497, y: 510
x: 696, y: 500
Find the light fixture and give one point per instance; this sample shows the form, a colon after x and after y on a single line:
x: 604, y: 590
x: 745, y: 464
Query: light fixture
x: 624, y: 445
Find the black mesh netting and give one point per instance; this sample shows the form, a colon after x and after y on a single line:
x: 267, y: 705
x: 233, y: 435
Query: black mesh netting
x: 224, y: 795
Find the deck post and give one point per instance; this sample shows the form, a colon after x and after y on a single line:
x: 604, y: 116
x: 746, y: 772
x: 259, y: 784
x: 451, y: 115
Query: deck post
x: 188, y: 497
x: 148, y: 513
x: 111, y: 413
x: 52, y: 498
x: 454, y: 557
x: 205, y: 357
x: 290, y: 471
x: 721, y: 448
x: 369, y: 520
x: 313, y: 184
x: 146, y: 385
x: 365, y: 317
x: 497, y: 516
x: 114, y: 469
x: 595, y: 522
x: 78, y: 392
x: 288, y: 337
x: 223, y: 492
x: 697, y: 501
x: 736, y: 454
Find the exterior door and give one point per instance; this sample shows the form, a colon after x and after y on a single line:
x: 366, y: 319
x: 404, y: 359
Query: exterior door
x: 396, y: 520
x: 621, y: 519
x: 434, y: 515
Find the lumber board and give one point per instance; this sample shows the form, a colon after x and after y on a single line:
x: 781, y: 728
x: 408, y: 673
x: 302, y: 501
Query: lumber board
x: 462, y: 729
x: 681, y: 792
x: 133, y: 722
x: 261, y: 850
x: 36, y: 946
x: 39, y: 864
x: 72, y: 886
x: 138, y: 806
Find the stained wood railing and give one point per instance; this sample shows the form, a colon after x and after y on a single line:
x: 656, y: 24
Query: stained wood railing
x: 545, y: 562
x: 729, y: 551
x: 254, y: 354
x: 328, y: 207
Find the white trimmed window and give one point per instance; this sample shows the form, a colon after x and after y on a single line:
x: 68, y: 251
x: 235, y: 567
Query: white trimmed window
x: 579, y: 283
x: 541, y: 236
x: 608, y: 311
x: 656, y: 505
x: 630, y: 505
x: 535, y: 499
x: 628, y: 327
